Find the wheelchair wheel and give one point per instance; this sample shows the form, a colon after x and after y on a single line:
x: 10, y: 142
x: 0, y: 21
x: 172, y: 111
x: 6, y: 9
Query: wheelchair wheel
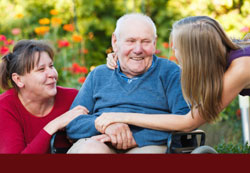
x: 204, y: 150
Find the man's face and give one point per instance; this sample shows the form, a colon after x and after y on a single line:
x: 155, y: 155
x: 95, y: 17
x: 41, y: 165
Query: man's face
x: 135, y: 46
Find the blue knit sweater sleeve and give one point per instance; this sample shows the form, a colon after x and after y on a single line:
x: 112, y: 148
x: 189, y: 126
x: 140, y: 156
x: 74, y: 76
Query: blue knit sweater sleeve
x: 84, y: 125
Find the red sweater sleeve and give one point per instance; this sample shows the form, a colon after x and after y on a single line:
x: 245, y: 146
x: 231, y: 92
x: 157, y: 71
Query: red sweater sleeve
x: 12, y: 139
x: 39, y: 144
x: 21, y: 132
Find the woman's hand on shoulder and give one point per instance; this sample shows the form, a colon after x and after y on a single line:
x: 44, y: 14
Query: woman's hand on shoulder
x: 64, y: 119
x: 111, y: 61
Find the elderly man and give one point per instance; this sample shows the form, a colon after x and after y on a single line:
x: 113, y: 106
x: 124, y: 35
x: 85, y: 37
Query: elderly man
x: 142, y: 83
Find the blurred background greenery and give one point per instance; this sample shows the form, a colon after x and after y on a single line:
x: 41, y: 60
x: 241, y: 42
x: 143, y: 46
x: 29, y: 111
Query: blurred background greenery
x: 80, y: 31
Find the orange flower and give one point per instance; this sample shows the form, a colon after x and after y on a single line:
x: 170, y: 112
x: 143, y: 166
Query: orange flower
x: 41, y: 30
x: 92, y: 68
x: 85, y: 51
x: 53, y: 12
x: 56, y: 21
x: 163, y: 56
x: 81, y: 79
x: 109, y: 50
x: 44, y: 21
x: 77, y: 38
x: 19, y: 15
x: 173, y: 58
x: 68, y: 27
x: 91, y: 35
x: 165, y: 45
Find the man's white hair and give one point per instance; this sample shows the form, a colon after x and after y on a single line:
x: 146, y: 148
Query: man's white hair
x: 140, y: 16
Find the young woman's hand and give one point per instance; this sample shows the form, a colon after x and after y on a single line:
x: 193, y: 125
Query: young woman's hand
x: 105, y: 119
x: 64, y: 119
x: 111, y: 61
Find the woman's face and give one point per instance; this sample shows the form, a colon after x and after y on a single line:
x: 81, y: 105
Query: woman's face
x: 41, y: 81
x: 176, y: 50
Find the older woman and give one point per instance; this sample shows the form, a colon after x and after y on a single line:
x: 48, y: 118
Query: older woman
x: 33, y: 108
x: 214, y: 71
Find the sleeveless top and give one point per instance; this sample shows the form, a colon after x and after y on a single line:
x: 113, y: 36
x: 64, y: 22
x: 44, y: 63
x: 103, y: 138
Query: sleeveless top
x: 234, y: 54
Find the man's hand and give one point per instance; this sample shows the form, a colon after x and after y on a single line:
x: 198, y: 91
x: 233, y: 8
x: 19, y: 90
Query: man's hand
x: 121, y: 136
x: 102, y: 138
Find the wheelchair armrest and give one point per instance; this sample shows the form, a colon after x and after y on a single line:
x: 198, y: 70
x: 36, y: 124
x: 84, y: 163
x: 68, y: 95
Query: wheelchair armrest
x: 59, y: 143
x: 188, y: 141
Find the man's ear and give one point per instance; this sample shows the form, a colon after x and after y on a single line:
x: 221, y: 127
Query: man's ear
x: 17, y: 79
x: 114, y: 42
x: 155, y: 41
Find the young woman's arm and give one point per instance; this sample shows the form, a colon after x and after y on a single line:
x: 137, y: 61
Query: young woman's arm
x: 236, y: 78
x: 168, y: 122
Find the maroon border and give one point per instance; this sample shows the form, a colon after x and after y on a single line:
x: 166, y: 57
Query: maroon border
x: 125, y: 162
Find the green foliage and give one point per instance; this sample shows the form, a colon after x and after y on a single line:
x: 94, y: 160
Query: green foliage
x: 230, y: 148
x: 232, y: 114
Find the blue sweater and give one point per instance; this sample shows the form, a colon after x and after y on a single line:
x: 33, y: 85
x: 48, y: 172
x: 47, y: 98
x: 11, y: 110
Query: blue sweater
x: 157, y: 91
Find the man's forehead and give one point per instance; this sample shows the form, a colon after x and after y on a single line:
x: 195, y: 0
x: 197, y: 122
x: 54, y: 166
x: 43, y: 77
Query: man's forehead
x: 131, y: 35
x: 137, y: 28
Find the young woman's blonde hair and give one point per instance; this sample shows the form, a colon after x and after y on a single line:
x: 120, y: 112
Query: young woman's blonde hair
x: 203, y: 48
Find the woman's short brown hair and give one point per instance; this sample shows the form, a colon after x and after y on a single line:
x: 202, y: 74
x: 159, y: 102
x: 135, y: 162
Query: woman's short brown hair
x: 22, y: 60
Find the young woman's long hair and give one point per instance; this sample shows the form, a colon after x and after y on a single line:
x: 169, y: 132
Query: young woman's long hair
x: 203, y: 47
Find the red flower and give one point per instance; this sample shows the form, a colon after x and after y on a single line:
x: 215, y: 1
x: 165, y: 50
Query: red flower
x: 157, y: 51
x: 63, y: 43
x: 244, y: 29
x: 238, y: 113
x: 84, y: 70
x: 4, y: 50
x: 8, y: 42
x: 16, y: 31
x: 77, y: 69
x: 81, y: 79
x: 2, y: 38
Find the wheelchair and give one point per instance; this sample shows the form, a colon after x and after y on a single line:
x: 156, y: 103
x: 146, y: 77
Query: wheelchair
x: 189, y: 142
x: 178, y: 142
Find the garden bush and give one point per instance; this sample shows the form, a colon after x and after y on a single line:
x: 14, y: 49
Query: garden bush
x: 233, y: 148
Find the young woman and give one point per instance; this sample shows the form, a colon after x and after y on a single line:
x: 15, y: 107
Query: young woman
x: 214, y: 71
x: 33, y: 108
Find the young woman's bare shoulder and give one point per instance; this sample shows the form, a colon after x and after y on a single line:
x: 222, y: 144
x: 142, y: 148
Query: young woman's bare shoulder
x: 241, y: 68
